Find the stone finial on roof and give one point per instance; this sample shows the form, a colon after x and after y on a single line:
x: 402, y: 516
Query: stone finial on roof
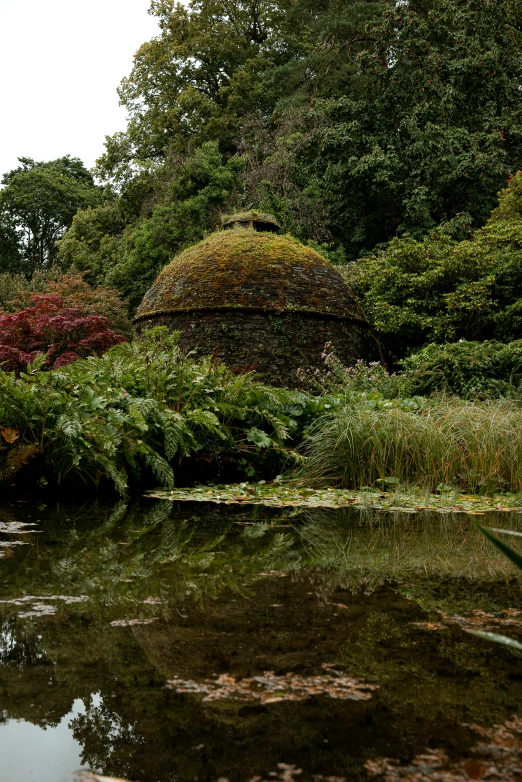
x: 251, y: 221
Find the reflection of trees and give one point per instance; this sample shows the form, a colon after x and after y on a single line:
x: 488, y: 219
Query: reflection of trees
x: 133, y: 554
x: 20, y: 646
x: 124, y: 554
x: 220, y: 613
x: 104, y: 737
x: 367, y: 549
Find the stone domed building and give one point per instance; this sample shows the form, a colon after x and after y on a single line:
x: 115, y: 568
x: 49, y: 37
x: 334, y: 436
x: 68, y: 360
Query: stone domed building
x: 258, y: 301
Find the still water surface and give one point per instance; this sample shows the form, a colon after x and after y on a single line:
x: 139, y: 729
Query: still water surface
x: 161, y: 642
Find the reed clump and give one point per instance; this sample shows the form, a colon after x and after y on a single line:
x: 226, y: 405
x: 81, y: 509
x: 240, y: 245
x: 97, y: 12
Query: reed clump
x: 475, y: 446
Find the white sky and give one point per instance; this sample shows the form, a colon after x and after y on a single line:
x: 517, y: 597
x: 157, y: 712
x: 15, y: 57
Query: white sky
x: 60, y: 64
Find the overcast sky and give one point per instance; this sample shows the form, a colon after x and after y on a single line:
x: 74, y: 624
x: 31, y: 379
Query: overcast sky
x: 60, y: 64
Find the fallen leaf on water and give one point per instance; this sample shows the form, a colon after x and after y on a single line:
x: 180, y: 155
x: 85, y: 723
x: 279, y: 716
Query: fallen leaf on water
x: 270, y: 688
x: 36, y: 606
x: 483, y: 620
x: 498, y: 756
x: 17, y: 527
x: 277, y: 573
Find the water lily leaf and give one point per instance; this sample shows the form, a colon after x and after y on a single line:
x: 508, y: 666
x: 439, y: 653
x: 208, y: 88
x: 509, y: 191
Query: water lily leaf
x: 397, y: 498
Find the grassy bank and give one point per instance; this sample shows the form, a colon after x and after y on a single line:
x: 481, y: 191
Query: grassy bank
x: 445, y: 442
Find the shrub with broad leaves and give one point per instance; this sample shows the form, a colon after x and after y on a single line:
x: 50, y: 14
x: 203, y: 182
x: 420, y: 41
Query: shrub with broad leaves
x: 62, y: 334
x: 143, y: 413
x: 16, y: 292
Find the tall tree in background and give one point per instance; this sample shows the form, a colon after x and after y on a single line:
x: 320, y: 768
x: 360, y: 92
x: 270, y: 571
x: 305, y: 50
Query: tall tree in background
x: 204, y: 70
x: 333, y: 34
x: 37, y: 204
x: 216, y: 62
x: 433, y: 127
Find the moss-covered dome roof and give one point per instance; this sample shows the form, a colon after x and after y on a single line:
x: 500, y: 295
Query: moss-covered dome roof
x: 248, y: 270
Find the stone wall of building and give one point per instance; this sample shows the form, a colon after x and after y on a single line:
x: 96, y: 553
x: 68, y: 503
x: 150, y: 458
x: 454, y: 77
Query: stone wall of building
x: 275, y: 345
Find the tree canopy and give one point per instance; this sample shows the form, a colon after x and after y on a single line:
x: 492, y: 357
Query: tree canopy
x: 215, y: 63
x: 37, y: 204
x: 432, y: 127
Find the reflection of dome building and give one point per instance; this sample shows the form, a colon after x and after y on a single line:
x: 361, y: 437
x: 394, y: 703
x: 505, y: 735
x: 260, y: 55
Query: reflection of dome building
x: 258, y: 301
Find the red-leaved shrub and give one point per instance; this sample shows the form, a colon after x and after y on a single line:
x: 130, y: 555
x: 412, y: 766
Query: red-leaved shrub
x: 64, y: 334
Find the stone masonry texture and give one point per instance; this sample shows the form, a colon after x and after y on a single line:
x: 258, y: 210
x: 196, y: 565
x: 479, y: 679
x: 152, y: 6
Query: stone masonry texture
x: 259, y: 301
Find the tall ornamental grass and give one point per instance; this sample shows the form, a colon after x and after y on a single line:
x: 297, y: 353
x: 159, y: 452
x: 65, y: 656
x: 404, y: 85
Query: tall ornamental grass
x: 476, y: 447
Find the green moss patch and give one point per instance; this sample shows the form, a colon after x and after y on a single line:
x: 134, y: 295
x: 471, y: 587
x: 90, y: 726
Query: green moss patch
x: 251, y: 270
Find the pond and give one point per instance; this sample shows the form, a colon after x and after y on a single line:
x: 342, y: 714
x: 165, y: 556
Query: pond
x: 162, y: 641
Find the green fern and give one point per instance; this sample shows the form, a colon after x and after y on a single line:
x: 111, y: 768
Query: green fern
x: 144, y: 404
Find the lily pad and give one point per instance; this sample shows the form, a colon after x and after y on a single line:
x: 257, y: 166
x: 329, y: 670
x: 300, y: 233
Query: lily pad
x: 280, y: 495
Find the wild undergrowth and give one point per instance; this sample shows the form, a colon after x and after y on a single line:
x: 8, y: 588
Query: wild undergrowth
x: 145, y: 412
x: 471, y: 370
x: 380, y: 434
x: 145, y: 415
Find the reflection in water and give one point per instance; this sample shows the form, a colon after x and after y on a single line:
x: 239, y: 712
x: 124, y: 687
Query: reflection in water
x: 212, y: 599
x: 40, y: 752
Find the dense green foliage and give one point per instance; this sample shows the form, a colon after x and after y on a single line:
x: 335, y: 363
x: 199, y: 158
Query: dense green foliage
x: 215, y: 63
x: 144, y: 414
x: 37, y: 204
x: 144, y: 409
x: 128, y: 252
x: 468, y: 369
x: 432, y: 129
x: 441, y: 290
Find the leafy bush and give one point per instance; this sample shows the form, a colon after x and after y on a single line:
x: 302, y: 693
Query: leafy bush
x: 468, y: 369
x: 16, y: 291
x: 62, y: 334
x: 144, y: 408
x: 440, y: 290
x: 475, y: 446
